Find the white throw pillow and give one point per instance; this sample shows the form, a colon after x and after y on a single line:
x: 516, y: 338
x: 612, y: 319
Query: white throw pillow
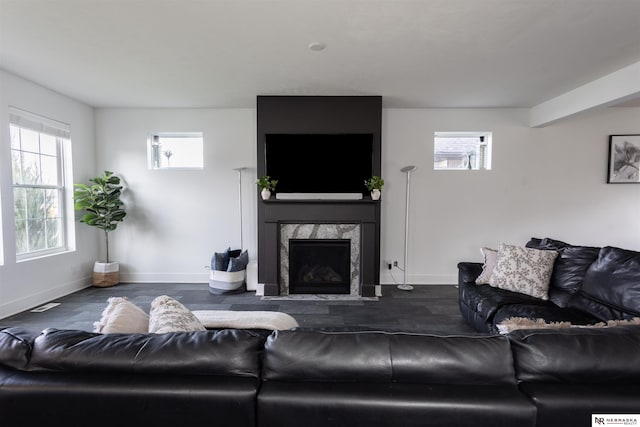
x: 523, y: 270
x: 122, y: 316
x: 168, y: 315
x: 490, y: 259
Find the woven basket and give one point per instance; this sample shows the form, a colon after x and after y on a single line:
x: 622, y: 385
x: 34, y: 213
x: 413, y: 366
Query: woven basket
x: 106, y: 274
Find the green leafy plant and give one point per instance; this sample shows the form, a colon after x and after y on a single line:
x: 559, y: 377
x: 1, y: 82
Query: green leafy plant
x: 101, y: 203
x: 267, y: 183
x: 375, y: 182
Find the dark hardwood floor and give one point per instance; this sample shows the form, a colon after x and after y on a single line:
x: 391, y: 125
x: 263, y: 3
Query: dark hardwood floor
x: 430, y: 308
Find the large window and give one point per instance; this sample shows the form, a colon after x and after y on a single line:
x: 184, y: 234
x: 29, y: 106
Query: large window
x: 175, y: 150
x: 38, y: 147
x: 462, y: 150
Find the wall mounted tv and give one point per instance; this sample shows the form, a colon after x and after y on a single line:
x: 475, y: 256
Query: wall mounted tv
x: 308, y: 164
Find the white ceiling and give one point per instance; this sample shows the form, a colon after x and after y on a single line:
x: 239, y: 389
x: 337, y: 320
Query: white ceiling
x: 222, y: 53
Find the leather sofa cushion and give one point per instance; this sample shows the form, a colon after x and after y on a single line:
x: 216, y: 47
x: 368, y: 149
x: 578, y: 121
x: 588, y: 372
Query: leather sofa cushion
x: 387, y: 357
x: 225, y: 352
x: 569, y: 272
x: 289, y: 404
x: 569, y: 269
x: 16, y: 345
x: 578, y: 355
x: 546, y: 244
x: 611, y: 288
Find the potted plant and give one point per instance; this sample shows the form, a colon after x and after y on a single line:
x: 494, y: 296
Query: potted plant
x: 103, y: 209
x: 266, y: 185
x: 374, y: 185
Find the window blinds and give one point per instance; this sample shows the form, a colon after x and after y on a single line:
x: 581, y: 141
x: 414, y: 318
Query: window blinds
x: 37, y: 123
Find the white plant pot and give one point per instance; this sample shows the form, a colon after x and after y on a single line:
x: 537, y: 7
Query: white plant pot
x: 106, y: 274
x: 375, y: 194
x: 266, y: 194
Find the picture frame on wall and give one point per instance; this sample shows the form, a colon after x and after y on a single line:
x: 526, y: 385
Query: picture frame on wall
x: 624, y: 159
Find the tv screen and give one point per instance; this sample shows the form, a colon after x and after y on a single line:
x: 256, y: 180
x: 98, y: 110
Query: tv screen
x: 319, y: 163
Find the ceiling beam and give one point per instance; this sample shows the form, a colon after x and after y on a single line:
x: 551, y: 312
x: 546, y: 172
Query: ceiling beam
x: 611, y: 89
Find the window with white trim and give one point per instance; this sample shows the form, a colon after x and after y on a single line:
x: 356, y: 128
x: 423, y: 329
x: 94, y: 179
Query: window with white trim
x: 175, y: 150
x: 462, y: 150
x: 38, y: 149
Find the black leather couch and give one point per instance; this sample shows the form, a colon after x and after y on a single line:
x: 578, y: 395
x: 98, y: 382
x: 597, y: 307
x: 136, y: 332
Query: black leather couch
x: 82, y: 378
x: 317, y: 378
x: 588, y: 285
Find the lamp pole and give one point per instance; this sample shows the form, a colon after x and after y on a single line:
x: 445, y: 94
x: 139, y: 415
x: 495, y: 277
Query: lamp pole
x: 404, y: 286
x: 239, y: 170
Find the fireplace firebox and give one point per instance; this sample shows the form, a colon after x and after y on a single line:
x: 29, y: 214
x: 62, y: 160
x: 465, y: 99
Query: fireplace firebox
x: 319, y: 266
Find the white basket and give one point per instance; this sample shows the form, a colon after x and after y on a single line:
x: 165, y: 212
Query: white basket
x: 225, y: 282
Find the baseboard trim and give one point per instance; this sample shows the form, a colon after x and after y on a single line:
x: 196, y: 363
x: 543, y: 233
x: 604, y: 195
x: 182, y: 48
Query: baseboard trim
x: 164, y: 277
x: 19, y: 305
x: 395, y: 278
x: 385, y: 278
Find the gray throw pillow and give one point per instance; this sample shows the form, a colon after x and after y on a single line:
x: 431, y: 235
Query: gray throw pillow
x: 220, y: 261
x: 239, y: 263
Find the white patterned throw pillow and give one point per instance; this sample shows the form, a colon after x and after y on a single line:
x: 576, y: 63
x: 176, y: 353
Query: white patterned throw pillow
x: 523, y: 270
x: 122, y: 316
x: 169, y: 315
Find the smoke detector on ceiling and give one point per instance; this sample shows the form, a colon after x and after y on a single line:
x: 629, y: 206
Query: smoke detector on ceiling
x: 316, y: 46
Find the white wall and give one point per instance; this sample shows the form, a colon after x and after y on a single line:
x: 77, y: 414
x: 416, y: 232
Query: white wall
x: 30, y: 283
x: 177, y: 219
x: 548, y: 182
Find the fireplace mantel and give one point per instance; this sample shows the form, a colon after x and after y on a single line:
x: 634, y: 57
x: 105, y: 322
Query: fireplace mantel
x: 308, y: 114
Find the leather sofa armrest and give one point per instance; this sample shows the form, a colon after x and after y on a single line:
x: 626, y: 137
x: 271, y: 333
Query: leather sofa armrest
x: 468, y: 272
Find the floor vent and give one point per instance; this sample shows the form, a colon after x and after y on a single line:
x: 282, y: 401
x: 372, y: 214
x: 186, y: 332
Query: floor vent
x: 45, y: 307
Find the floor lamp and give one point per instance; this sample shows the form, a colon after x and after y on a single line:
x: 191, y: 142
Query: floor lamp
x: 239, y: 170
x: 404, y: 286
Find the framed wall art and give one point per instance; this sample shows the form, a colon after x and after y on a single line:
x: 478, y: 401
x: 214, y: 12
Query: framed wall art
x: 624, y: 159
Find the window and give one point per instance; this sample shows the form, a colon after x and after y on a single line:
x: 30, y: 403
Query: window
x: 462, y: 150
x: 38, y: 147
x: 175, y: 150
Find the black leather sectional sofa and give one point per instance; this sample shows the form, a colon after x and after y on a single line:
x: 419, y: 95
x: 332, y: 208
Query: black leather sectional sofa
x: 588, y: 285
x: 317, y: 378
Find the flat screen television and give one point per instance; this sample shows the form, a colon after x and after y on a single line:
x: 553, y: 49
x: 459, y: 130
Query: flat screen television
x: 319, y: 163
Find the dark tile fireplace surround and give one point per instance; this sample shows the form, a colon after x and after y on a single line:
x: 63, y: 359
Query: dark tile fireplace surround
x: 346, y: 229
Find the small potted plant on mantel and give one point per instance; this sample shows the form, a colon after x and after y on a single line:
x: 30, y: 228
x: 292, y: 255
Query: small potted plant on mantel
x: 103, y: 209
x: 266, y: 185
x: 374, y: 185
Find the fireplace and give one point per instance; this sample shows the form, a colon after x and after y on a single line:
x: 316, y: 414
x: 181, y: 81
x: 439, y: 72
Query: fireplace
x: 319, y: 266
x: 323, y: 246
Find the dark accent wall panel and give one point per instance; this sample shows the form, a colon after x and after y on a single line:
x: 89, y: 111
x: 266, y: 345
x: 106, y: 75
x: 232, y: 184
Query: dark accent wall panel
x: 309, y: 115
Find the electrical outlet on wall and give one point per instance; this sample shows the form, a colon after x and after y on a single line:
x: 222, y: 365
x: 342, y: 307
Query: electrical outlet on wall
x: 388, y: 264
x: 395, y: 263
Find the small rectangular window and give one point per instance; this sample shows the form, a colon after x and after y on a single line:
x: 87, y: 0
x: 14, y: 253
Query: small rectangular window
x: 462, y: 151
x: 38, y: 147
x: 175, y: 150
